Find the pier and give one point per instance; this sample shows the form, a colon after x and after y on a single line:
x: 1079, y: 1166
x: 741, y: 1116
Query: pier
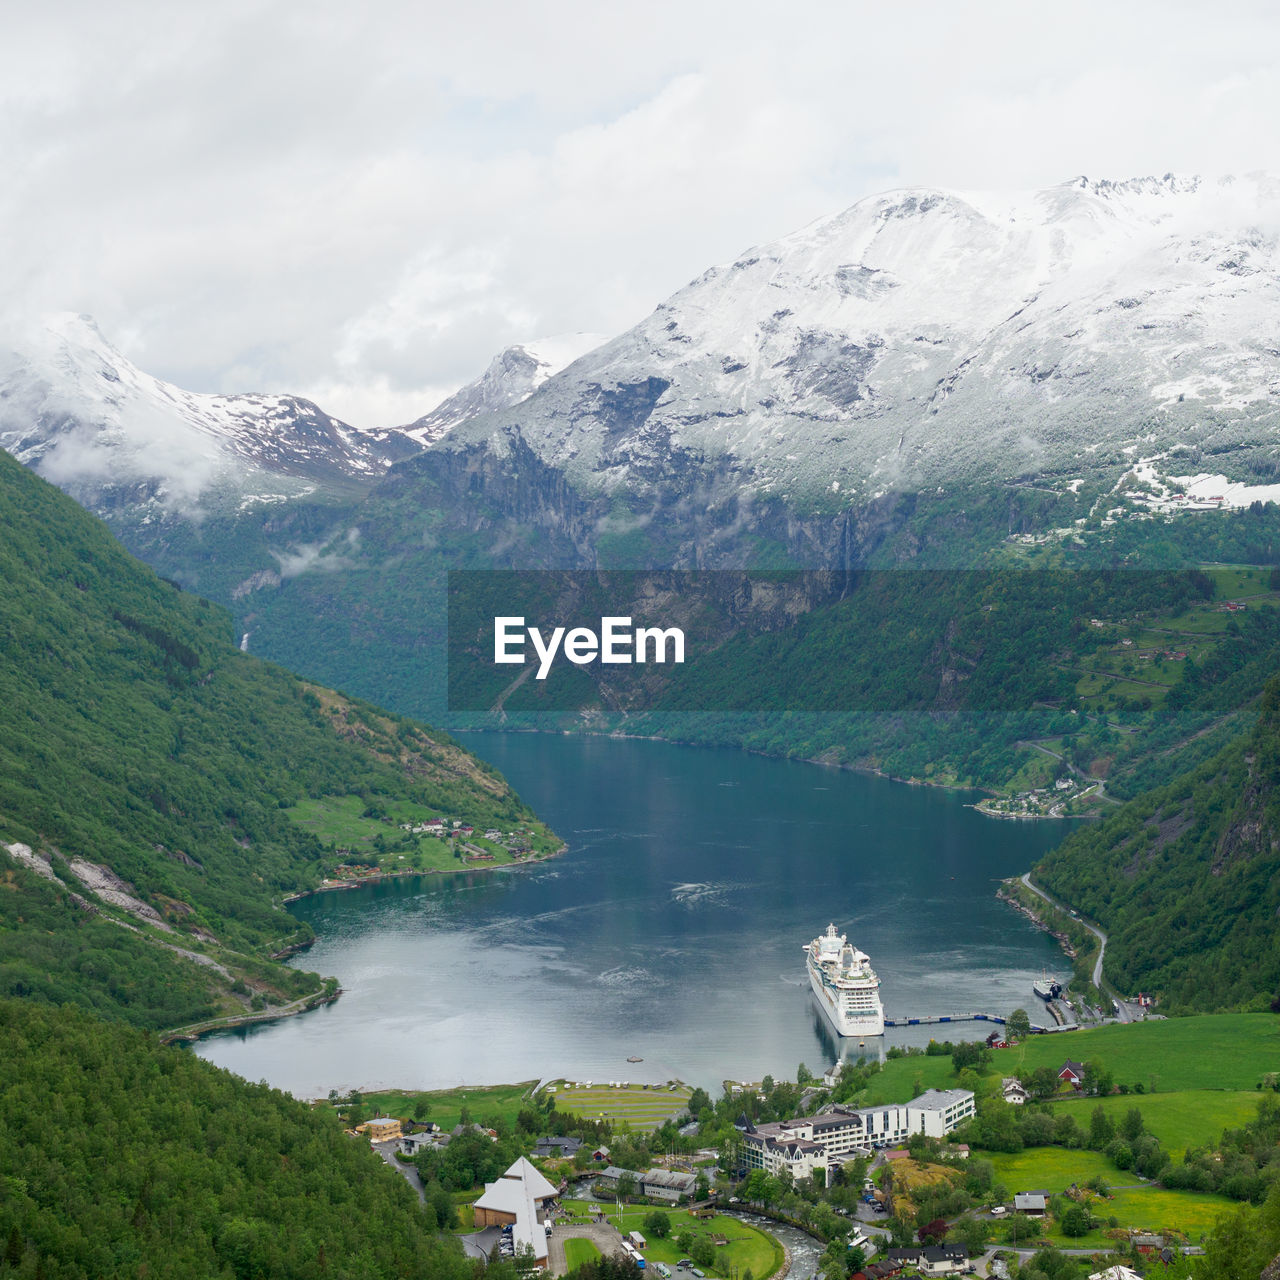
x: 932, y: 1019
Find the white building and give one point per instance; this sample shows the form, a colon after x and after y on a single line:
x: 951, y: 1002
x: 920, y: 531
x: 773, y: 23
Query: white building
x: 1015, y: 1093
x: 936, y: 1112
x: 516, y: 1199
x: 808, y: 1144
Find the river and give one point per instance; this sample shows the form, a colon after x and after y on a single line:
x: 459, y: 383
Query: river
x: 671, y: 929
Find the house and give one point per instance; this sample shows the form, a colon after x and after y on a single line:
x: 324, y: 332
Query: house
x: 383, y: 1129
x: 666, y: 1184
x: 636, y: 1239
x: 1014, y: 1092
x: 931, y: 1260
x: 600, y: 1153
x: 1072, y: 1073
x: 611, y: 1176
x: 412, y: 1143
x: 552, y: 1146
x: 518, y: 1199
x: 877, y: 1271
x: 1035, y: 1204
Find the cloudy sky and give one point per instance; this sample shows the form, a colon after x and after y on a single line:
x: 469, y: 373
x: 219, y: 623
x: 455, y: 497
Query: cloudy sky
x: 365, y: 207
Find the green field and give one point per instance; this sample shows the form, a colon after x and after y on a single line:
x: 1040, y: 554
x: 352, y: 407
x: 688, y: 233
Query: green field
x: 643, y: 1107
x: 747, y: 1246
x: 1135, y: 1206
x: 341, y: 820
x: 503, y: 1100
x: 1220, y: 1051
x: 1212, y: 1051
x: 1194, y: 1118
x: 576, y: 1252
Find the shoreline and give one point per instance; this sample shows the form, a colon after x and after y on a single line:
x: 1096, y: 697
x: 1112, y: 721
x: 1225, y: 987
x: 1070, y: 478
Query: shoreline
x: 866, y: 770
x: 343, y: 886
x: 198, y: 1030
x: 1010, y: 895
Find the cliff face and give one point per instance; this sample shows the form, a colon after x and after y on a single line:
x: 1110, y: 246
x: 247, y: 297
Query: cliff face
x: 702, y: 517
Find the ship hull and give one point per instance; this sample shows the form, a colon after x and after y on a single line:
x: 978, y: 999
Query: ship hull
x: 844, y: 1024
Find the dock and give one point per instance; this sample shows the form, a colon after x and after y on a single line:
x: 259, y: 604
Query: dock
x: 932, y: 1019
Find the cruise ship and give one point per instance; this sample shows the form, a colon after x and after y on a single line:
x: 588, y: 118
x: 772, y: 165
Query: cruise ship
x: 845, y: 984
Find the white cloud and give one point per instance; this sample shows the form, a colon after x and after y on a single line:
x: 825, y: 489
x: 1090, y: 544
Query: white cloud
x: 363, y: 207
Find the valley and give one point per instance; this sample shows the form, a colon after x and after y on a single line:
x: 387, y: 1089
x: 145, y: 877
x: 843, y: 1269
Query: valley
x: 992, y: 481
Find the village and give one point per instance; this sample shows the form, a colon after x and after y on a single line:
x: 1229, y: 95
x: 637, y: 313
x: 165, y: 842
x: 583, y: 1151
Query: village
x: 827, y: 1194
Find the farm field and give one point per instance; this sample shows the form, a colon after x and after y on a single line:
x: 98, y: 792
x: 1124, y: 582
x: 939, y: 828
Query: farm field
x: 1220, y: 1051
x: 1193, y: 1118
x: 1132, y: 1203
x: 747, y: 1247
x: 382, y: 842
x: 643, y: 1108
x: 1228, y: 1051
x: 504, y: 1100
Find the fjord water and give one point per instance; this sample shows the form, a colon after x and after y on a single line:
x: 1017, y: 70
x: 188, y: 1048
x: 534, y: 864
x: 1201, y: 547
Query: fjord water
x: 671, y: 930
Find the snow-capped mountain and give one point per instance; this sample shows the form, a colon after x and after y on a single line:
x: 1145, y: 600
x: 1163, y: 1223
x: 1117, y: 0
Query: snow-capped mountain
x: 78, y: 412
x: 924, y: 337
x: 512, y: 377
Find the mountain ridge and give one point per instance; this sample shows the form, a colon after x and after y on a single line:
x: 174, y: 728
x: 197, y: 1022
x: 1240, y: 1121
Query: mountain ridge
x: 923, y: 336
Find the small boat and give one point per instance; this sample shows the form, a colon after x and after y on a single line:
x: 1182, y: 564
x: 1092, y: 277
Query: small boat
x: 635, y: 1059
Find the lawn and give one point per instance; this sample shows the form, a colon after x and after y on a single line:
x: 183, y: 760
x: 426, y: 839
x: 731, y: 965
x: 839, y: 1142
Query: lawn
x: 643, y: 1107
x: 577, y: 1252
x: 747, y: 1248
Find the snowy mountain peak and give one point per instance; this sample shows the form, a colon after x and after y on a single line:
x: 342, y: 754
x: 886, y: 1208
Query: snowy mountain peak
x: 924, y: 335
x: 513, y: 375
x: 85, y: 417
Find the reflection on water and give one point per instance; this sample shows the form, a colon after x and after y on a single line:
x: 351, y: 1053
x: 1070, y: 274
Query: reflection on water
x: 671, y: 930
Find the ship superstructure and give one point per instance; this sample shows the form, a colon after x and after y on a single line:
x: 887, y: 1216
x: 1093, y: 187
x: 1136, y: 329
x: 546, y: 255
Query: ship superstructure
x: 845, y: 984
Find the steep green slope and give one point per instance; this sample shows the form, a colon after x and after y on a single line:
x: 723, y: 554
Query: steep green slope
x: 371, y: 616
x: 146, y: 767
x: 1186, y: 878
x: 123, y: 1159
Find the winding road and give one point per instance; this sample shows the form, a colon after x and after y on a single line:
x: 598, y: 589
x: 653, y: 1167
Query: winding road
x: 1121, y: 1007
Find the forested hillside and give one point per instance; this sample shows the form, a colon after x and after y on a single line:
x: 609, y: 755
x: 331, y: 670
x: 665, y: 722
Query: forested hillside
x: 146, y: 767
x: 1184, y: 879
x: 123, y: 1159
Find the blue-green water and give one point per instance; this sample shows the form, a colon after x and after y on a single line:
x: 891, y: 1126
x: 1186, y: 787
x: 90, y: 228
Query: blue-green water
x: 671, y: 929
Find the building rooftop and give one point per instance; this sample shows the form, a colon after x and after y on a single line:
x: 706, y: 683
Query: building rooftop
x: 539, y: 1187
x: 940, y: 1099
x: 669, y: 1178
